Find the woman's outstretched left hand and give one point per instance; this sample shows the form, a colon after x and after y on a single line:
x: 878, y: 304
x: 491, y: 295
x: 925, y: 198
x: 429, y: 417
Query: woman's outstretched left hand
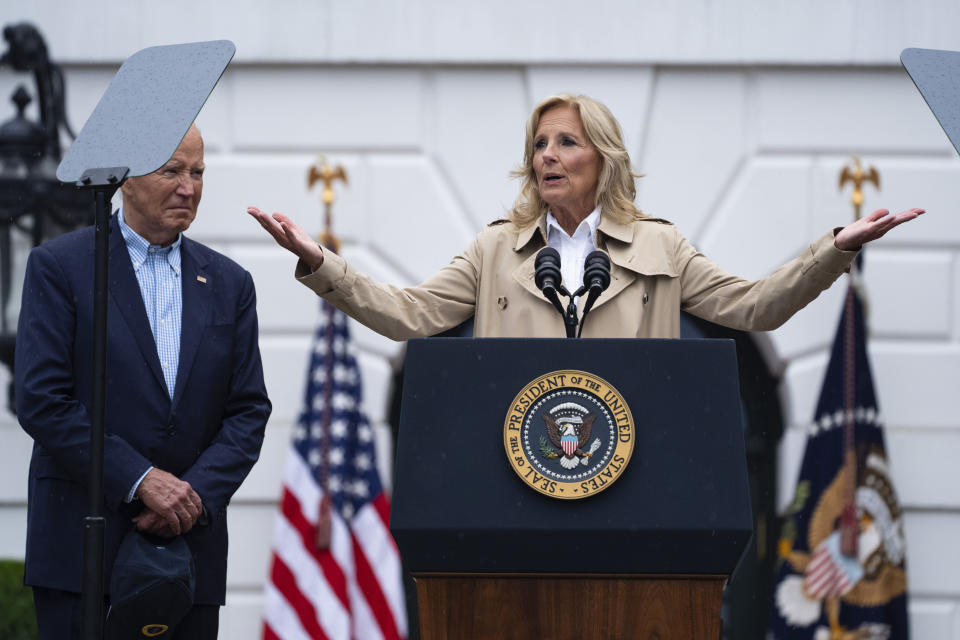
x: 871, y: 227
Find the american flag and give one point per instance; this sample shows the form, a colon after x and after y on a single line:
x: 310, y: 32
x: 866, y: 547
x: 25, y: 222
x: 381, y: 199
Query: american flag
x: 335, y: 571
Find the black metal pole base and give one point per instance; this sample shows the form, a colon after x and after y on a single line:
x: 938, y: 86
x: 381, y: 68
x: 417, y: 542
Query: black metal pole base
x: 92, y: 599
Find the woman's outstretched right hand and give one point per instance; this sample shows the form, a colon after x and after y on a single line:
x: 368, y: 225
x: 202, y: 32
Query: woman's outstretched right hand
x: 291, y: 237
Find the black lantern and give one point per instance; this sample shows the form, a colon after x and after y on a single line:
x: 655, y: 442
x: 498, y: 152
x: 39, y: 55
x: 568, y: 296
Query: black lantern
x: 34, y: 205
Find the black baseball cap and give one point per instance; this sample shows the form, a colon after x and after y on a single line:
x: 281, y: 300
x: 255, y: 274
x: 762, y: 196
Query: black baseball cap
x: 151, y: 588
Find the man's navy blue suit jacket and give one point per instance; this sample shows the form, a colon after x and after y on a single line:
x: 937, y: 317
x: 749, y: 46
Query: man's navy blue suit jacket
x: 209, y: 435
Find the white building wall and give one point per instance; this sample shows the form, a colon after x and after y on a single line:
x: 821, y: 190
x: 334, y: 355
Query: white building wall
x: 739, y: 113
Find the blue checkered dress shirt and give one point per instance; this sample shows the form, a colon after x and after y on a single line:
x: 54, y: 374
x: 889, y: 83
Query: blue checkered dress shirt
x: 158, y: 274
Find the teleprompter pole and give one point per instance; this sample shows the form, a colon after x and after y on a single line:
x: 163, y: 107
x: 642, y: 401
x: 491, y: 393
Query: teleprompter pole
x: 104, y: 183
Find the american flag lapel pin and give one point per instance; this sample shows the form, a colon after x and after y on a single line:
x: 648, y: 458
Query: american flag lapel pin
x: 202, y: 279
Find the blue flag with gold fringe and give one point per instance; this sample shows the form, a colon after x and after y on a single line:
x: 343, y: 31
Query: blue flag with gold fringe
x: 840, y: 570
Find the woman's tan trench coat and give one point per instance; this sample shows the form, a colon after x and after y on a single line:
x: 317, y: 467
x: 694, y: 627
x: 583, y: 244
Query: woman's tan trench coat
x: 655, y: 272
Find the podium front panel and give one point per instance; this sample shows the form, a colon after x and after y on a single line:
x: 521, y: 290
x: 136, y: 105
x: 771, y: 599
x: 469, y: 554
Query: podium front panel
x: 681, y: 506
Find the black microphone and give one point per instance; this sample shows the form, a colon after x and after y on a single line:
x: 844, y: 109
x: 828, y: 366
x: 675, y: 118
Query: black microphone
x: 596, y: 278
x: 548, y: 278
x: 596, y: 271
x: 547, y: 273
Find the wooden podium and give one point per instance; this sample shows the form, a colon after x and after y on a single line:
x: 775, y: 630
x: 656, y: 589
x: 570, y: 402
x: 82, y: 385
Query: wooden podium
x: 647, y: 557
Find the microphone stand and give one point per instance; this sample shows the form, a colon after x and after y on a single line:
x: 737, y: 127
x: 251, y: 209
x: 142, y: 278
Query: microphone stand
x: 570, y: 314
x: 596, y: 278
x: 570, y: 317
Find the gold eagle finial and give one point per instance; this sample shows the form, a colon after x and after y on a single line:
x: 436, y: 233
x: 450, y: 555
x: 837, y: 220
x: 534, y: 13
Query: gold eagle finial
x: 858, y: 177
x: 323, y: 172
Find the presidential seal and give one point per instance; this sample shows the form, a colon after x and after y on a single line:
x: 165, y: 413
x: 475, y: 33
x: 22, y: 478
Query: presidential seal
x: 569, y: 434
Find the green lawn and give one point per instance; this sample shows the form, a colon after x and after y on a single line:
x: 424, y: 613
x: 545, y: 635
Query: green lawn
x: 17, y: 621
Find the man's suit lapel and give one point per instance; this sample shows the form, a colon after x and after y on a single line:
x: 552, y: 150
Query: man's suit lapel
x: 196, y: 310
x: 129, y: 301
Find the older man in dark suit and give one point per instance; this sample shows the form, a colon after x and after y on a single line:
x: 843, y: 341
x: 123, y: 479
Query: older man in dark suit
x: 186, y: 404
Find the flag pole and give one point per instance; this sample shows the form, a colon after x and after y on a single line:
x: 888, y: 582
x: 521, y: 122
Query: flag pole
x: 322, y: 172
x: 849, y: 528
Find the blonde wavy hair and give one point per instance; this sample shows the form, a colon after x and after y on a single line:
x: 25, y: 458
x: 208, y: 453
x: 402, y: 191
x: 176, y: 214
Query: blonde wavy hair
x: 616, y: 189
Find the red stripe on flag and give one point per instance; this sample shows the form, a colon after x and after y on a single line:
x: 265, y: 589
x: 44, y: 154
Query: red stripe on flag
x: 286, y: 584
x: 332, y: 571
x: 268, y: 633
x: 382, y: 505
x: 372, y: 593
